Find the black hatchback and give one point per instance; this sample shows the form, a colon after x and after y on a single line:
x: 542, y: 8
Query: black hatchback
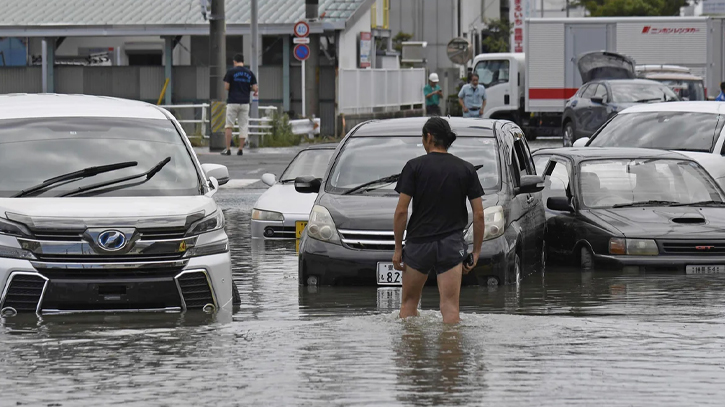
x: 349, y: 238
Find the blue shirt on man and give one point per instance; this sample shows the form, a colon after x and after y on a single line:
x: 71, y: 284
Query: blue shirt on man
x: 472, y: 97
x: 720, y: 97
x: 240, y: 80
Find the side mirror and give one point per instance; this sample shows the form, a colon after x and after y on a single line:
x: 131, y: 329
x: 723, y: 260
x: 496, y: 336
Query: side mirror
x: 597, y: 100
x: 582, y: 142
x: 559, y: 203
x: 530, y: 184
x: 269, y: 179
x: 307, y: 185
x: 220, y: 172
x: 213, y: 186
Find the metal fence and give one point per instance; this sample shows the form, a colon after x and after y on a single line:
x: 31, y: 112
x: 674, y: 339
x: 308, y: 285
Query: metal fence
x: 373, y: 90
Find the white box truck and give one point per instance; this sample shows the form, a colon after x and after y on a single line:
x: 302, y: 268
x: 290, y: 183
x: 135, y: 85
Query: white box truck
x: 531, y: 88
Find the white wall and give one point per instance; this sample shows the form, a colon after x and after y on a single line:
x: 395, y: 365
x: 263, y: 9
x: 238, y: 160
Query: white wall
x: 71, y: 45
x: 348, y: 41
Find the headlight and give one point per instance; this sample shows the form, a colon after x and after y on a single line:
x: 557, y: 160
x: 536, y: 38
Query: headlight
x: 12, y: 228
x: 494, y: 221
x: 642, y: 247
x: 15, y: 253
x: 633, y: 247
x: 212, y: 222
x: 321, y: 226
x: 258, y: 214
x: 208, y: 249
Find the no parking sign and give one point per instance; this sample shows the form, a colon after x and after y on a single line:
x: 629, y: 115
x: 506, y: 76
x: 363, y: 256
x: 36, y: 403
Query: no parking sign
x: 302, y: 52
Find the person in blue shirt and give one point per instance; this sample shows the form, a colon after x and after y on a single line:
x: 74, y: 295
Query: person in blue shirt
x: 472, y: 98
x: 721, y: 96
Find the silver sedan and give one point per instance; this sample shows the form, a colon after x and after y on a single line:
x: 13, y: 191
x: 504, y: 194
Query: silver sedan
x: 281, y: 211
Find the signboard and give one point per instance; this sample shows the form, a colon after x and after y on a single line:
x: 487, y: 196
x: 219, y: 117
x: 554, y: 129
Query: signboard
x: 366, y: 45
x: 713, y: 7
x: 519, y: 12
x: 459, y: 51
x: 300, y: 40
x: 301, y: 52
x: 302, y: 29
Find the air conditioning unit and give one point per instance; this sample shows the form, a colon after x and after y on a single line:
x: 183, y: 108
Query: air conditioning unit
x: 413, y: 52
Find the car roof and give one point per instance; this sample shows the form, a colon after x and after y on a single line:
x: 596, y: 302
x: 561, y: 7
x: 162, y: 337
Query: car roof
x: 323, y: 146
x: 413, y: 126
x: 675, y: 76
x: 44, y: 105
x: 638, y: 80
x: 702, y: 106
x: 587, y: 153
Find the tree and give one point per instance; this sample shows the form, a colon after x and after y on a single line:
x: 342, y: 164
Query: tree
x: 497, y: 36
x: 617, y: 8
x: 399, y: 39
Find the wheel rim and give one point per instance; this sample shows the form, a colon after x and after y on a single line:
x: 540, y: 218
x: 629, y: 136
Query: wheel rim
x: 518, y: 270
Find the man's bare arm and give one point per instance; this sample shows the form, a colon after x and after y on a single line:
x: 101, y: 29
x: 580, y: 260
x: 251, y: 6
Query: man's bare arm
x: 226, y: 85
x: 400, y: 221
x: 478, y: 229
x: 255, y: 88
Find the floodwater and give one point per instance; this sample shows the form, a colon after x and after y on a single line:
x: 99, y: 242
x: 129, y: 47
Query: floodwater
x: 559, y: 338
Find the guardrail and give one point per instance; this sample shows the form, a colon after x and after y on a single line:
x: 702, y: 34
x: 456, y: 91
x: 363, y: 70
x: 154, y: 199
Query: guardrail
x: 257, y: 127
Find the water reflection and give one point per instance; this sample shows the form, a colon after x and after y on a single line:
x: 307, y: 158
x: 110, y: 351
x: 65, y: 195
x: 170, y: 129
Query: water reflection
x: 559, y: 338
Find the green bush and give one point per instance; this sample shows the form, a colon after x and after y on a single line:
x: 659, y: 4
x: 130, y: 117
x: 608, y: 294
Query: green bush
x: 280, y: 135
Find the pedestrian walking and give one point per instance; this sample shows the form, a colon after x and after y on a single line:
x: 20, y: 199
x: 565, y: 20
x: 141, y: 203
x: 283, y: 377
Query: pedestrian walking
x: 433, y: 95
x: 472, y: 98
x: 240, y: 82
x: 439, y: 184
x: 721, y: 96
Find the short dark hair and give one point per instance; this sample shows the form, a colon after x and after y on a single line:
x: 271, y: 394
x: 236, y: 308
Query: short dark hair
x: 722, y: 86
x: 239, y: 58
x: 476, y: 75
x: 441, y: 131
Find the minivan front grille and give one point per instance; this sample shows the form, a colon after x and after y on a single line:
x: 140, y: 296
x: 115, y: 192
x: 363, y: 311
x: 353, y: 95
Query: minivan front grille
x: 693, y: 247
x: 368, y: 239
x: 195, y: 289
x: 23, y: 292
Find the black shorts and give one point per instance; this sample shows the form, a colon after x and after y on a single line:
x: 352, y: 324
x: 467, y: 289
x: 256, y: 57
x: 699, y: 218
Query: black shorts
x: 439, y: 256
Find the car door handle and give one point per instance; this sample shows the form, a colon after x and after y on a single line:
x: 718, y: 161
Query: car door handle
x: 529, y: 199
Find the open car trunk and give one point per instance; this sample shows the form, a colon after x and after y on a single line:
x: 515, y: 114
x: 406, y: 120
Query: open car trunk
x: 605, y: 65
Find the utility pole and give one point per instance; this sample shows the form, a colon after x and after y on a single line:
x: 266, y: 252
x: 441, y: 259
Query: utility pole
x: 254, y: 63
x: 217, y: 70
x: 312, y: 64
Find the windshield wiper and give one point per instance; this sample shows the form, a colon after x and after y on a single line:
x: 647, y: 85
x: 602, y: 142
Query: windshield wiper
x: 702, y: 203
x: 75, y: 175
x: 385, y: 180
x: 282, y: 181
x: 646, y: 203
x: 148, y: 174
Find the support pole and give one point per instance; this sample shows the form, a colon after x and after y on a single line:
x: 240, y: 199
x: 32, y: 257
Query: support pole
x: 304, y: 100
x: 217, y: 70
x: 48, y: 63
x: 285, y: 73
x: 44, y: 64
x: 254, y: 63
x: 168, y: 72
x: 310, y: 73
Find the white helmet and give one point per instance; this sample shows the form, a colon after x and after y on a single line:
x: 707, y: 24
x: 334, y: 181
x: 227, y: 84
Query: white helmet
x: 433, y: 77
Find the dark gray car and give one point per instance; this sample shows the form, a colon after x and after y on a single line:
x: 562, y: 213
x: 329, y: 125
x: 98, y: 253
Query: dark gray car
x: 609, y: 87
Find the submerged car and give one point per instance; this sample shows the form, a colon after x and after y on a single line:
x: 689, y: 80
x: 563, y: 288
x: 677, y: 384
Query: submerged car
x: 281, y: 212
x: 349, y: 238
x: 105, y: 207
x: 692, y: 128
x: 609, y: 87
x: 657, y: 211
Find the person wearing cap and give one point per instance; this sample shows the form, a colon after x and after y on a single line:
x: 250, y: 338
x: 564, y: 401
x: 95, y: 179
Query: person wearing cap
x: 472, y: 98
x: 433, y: 94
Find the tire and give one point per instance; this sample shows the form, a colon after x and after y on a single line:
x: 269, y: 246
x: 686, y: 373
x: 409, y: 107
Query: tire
x: 236, y: 298
x: 568, y: 134
x: 517, y: 269
x: 586, y: 259
x: 543, y: 257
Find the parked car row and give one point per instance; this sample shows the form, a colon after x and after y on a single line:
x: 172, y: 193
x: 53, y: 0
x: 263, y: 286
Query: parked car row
x: 625, y: 207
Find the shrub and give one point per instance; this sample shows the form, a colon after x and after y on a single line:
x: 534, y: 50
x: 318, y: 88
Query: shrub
x: 280, y: 135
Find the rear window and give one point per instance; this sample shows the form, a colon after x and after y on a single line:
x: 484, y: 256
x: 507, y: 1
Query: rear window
x: 685, y: 131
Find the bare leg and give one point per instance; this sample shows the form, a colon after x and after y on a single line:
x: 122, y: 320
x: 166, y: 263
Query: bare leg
x: 228, y: 133
x: 449, y: 286
x: 413, y: 282
x: 241, y: 142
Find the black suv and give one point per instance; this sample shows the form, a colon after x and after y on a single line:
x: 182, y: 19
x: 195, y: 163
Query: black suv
x: 349, y: 238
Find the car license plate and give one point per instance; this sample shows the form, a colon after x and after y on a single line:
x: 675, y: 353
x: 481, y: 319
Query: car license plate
x: 705, y: 269
x: 389, y: 297
x: 299, y: 228
x: 388, y: 275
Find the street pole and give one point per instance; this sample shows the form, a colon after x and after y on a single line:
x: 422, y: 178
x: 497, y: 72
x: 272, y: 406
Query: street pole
x: 254, y: 63
x: 304, y: 101
x: 567, y: 8
x: 217, y: 70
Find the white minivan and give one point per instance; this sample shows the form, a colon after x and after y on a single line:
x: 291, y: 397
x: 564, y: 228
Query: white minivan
x: 105, y: 207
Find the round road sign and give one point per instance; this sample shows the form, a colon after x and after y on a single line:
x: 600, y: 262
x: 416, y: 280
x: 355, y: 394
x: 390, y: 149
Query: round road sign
x: 302, y: 52
x: 302, y: 29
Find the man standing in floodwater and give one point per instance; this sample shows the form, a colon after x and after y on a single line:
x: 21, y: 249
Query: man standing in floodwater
x: 240, y: 82
x: 438, y: 183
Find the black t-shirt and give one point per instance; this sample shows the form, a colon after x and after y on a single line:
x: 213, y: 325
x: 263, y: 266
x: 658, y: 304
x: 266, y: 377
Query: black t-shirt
x: 439, y: 183
x: 240, y: 80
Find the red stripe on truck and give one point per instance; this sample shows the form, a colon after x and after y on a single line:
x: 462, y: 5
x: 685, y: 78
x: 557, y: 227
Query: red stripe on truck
x: 551, y: 93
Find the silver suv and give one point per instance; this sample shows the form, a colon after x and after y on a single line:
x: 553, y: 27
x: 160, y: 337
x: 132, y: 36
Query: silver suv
x: 105, y: 207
